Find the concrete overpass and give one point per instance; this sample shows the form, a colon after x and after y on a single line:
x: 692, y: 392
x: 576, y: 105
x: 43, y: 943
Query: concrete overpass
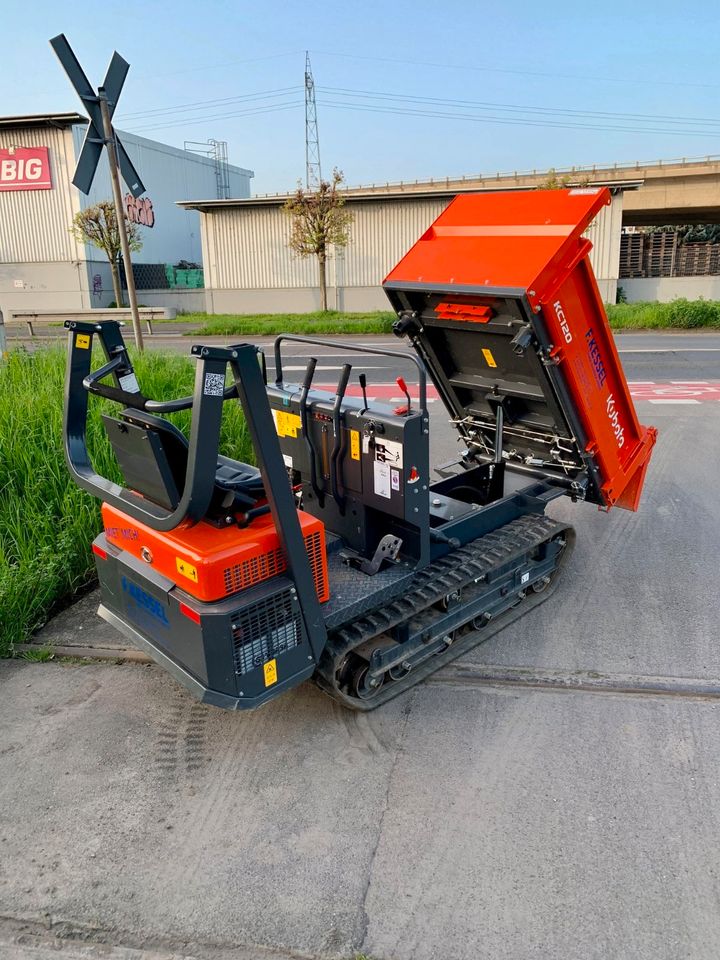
x: 663, y: 192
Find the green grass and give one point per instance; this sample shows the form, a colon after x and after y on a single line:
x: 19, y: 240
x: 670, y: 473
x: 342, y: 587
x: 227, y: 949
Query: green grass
x: 679, y: 314
x: 46, y: 522
x: 331, y: 322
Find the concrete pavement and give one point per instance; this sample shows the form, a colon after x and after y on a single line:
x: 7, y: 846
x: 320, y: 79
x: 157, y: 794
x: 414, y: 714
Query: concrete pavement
x: 470, y: 819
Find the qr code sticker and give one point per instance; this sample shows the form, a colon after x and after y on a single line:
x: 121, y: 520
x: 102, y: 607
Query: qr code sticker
x: 214, y: 384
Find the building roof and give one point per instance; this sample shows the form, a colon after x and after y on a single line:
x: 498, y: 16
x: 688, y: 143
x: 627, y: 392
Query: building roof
x: 440, y: 190
x: 42, y: 120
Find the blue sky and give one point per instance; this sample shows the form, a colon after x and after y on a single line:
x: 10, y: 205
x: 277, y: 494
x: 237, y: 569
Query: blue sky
x: 405, y: 90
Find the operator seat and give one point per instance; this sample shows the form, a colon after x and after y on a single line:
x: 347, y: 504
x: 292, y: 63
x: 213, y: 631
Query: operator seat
x: 153, y: 456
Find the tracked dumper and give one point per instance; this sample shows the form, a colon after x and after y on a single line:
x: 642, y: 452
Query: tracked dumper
x: 338, y: 556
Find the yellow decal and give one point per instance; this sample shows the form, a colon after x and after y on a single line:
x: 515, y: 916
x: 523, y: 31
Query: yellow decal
x: 286, y: 424
x: 82, y: 341
x: 489, y: 357
x: 186, y: 569
x: 355, y: 444
x: 270, y: 671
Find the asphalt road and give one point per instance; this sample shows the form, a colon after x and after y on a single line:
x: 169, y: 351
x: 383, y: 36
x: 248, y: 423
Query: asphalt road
x: 553, y: 795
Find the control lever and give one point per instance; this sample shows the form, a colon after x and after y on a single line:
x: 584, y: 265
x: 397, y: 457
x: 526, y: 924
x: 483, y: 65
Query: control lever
x: 404, y: 411
x: 307, y: 382
x: 363, y: 386
x: 335, y: 467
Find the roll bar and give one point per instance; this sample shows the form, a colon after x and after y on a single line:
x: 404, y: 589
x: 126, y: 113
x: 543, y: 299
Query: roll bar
x: 206, y: 404
x: 359, y: 348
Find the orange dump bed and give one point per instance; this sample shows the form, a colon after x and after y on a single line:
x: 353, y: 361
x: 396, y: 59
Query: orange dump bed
x: 500, y: 300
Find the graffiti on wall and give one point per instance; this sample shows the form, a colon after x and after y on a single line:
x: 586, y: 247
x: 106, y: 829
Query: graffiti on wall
x: 139, y: 210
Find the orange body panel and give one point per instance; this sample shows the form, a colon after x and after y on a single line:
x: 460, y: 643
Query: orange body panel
x: 212, y: 563
x: 529, y: 245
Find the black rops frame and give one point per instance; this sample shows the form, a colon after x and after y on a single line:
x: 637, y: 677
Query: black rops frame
x: 249, y: 388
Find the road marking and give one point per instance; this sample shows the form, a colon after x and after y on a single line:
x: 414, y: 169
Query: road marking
x: 691, y: 391
x: 294, y: 369
x: 695, y: 383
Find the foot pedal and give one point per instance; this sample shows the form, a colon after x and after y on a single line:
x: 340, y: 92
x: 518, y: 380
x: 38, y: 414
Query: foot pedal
x: 387, y: 549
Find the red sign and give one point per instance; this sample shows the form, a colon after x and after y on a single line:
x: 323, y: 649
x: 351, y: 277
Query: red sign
x: 25, y: 168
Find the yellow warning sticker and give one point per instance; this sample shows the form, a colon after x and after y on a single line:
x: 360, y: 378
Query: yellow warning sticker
x: 270, y: 671
x: 489, y: 357
x: 186, y: 569
x: 355, y: 444
x: 286, y: 424
x: 82, y: 341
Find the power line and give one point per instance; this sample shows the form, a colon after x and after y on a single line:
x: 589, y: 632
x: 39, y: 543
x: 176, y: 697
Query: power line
x: 488, y: 105
x: 517, y: 121
x: 222, y: 116
x: 521, y: 73
x: 201, y: 104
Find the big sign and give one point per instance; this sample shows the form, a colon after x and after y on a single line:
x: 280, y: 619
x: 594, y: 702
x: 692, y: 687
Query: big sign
x: 25, y: 168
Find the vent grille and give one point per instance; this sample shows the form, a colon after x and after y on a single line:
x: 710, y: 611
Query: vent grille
x: 263, y: 566
x: 265, y: 630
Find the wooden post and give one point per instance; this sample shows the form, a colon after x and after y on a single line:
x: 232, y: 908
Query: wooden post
x: 120, y: 215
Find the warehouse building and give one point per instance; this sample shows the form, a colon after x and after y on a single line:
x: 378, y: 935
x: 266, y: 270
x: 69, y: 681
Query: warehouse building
x: 42, y: 267
x: 249, y: 267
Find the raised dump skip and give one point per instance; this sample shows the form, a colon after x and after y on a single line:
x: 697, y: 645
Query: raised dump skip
x: 500, y: 301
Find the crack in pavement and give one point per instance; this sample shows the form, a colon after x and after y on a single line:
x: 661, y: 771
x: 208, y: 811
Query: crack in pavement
x: 46, y: 939
x: 365, y: 920
x: 584, y: 681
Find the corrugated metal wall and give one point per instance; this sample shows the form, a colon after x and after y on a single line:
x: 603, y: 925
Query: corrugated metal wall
x: 604, y: 233
x: 34, y: 224
x: 169, y: 175
x: 247, y: 248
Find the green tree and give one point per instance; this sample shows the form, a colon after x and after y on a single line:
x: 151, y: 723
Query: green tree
x: 319, y: 220
x: 98, y: 225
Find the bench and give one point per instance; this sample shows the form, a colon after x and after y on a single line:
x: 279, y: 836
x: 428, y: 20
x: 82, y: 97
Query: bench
x: 147, y: 314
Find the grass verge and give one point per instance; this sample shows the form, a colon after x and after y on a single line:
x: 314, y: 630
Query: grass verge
x: 680, y: 314
x: 331, y: 322
x: 46, y: 522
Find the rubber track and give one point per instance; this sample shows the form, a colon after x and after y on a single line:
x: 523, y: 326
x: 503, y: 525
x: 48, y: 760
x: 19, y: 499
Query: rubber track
x: 458, y: 569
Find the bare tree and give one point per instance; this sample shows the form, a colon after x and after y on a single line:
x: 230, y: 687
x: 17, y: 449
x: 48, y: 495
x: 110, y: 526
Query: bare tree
x: 318, y: 220
x: 98, y: 225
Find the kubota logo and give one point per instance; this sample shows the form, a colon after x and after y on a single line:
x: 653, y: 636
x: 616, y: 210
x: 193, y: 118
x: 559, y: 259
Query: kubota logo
x: 612, y: 413
x: 562, y: 319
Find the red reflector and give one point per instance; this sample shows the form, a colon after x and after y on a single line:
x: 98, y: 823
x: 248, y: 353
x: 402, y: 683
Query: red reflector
x: 190, y: 613
x: 99, y: 552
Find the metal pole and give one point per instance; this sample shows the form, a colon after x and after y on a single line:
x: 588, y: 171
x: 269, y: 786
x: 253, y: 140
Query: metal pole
x: 120, y: 215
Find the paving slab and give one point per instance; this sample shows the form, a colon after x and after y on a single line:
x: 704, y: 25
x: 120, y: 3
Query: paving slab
x: 461, y: 822
x: 640, y: 595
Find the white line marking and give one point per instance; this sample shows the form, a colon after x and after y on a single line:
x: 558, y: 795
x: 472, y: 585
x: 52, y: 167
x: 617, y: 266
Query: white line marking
x: 641, y: 383
x: 294, y: 369
x: 690, y: 382
x: 673, y: 401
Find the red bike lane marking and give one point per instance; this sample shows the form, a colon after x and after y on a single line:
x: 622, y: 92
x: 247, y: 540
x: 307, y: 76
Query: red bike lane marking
x: 700, y: 391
